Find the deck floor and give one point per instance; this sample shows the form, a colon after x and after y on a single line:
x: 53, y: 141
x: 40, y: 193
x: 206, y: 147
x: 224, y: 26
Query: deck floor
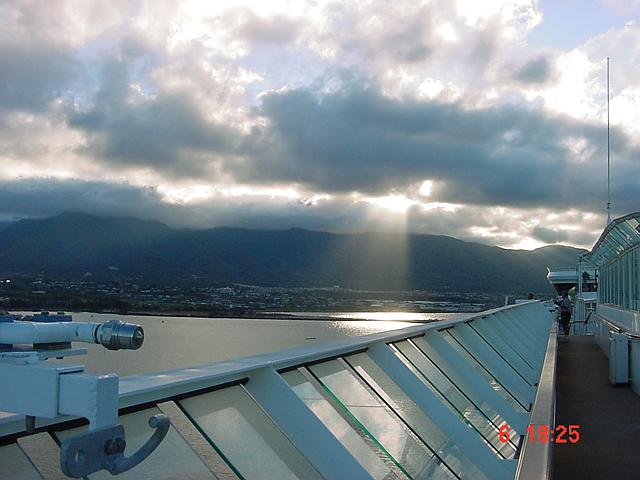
x: 609, y: 417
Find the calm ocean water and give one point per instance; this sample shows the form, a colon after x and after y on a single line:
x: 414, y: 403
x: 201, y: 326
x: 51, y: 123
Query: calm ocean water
x: 175, y: 342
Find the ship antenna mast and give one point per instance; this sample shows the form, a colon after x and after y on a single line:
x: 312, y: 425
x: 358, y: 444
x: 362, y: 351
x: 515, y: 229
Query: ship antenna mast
x: 608, y: 154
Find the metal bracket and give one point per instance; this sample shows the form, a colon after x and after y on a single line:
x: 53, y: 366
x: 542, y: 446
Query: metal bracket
x: 100, y: 449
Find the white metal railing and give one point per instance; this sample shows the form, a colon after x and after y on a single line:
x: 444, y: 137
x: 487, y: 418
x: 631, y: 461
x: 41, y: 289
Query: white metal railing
x: 465, y: 380
x: 536, y: 456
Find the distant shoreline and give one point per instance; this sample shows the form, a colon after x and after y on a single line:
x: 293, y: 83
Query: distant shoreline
x: 271, y: 316
x: 253, y: 315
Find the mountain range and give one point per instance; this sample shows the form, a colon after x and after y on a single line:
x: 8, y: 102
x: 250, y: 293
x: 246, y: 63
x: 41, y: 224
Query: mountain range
x: 80, y: 246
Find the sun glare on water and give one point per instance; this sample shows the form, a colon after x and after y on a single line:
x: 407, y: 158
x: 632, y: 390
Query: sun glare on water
x: 389, y: 316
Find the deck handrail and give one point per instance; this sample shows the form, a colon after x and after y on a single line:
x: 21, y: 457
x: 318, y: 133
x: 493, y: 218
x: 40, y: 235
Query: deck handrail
x: 159, y: 386
x: 536, y: 457
x: 516, y: 332
x: 613, y: 326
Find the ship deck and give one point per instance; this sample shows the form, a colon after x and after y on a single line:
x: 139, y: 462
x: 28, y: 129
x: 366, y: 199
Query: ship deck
x: 609, y: 416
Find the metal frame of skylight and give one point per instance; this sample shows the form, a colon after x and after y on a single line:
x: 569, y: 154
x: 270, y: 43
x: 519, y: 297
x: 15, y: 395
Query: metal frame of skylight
x: 511, y: 343
x: 621, y: 234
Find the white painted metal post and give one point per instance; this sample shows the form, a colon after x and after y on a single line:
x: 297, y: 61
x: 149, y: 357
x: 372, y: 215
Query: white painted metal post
x: 527, y: 332
x: 94, y: 397
x: 488, y: 338
x: 458, y: 368
x: 307, y: 432
x: 499, y: 369
x: 531, y: 326
x: 506, y: 350
x: 458, y: 431
x: 494, y: 324
x: 505, y: 324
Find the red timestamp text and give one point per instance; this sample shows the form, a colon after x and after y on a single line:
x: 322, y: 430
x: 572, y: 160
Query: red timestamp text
x: 545, y: 434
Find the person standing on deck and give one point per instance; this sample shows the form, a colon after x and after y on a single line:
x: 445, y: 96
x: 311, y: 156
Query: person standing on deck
x: 565, y: 312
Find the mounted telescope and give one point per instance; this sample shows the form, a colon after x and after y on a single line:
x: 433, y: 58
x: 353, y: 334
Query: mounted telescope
x: 113, y: 335
x: 35, y: 388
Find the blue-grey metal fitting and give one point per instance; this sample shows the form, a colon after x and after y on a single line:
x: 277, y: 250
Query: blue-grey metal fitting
x: 117, y: 335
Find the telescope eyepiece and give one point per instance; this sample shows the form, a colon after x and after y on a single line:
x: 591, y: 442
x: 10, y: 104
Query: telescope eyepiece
x: 117, y: 335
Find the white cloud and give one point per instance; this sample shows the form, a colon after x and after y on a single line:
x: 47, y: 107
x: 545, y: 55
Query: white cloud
x: 580, y: 87
x: 577, y: 88
x: 168, y: 98
x: 425, y: 188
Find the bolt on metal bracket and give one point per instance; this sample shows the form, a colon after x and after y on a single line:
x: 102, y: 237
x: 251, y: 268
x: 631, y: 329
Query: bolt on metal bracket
x: 100, y: 449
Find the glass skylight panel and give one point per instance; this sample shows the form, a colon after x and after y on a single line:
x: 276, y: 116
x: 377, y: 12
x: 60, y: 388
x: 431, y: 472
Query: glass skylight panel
x: 14, y: 464
x: 505, y: 350
x: 431, y: 375
x: 634, y: 225
x: 460, y: 382
x: 173, y: 459
x: 515, y: 385
x: 405, y: 407
x: 368, y: 455
x: 429, y: 372
x: 382, y: 424
x: 473, y: 363
x: 619, y: 237
x: 245, y: 436
x: 630, y: 231
x: 512, y: 346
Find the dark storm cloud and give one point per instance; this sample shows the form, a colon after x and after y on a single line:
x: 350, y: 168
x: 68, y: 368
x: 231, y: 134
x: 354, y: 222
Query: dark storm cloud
x: 46, y: 197
x: 167, y: 132
x: 33, y: 75
x: 49, y: 197
x: 361, y: 140
x: 537, y: 71
x: 549, y: 235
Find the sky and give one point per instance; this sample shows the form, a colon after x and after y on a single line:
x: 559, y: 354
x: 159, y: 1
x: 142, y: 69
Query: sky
x: 485, y: 121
